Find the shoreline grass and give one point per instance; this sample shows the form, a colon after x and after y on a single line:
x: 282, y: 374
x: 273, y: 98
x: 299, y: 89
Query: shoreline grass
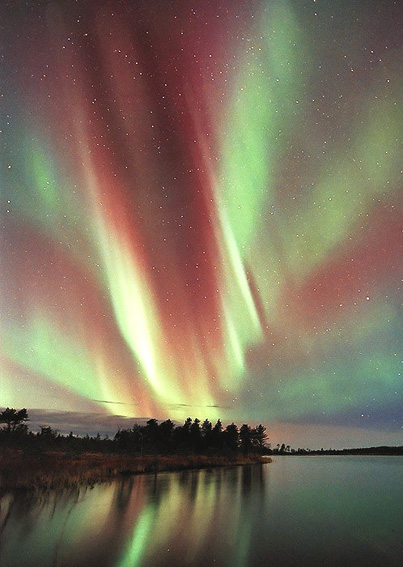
x: 58, y: 469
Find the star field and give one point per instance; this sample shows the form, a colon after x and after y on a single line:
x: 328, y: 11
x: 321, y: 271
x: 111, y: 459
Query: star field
x: 201, y: 210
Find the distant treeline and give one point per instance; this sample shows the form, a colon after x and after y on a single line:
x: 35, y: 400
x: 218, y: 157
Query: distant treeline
x: 193, y: 437
x: 383, y: 450
x: 162, y: 438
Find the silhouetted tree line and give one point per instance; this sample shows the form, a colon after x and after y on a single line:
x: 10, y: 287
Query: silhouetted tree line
x: 162, y: 438
x: 14, y: 420
x: 193, y: 437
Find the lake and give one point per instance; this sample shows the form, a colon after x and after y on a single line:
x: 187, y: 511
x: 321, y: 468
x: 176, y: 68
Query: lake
x: 296, y: 511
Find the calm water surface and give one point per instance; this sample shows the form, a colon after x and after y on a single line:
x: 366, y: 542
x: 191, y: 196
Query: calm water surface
x: 330, y: 511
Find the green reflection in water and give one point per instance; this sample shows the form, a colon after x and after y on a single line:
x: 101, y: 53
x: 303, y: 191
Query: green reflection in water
x: 140, y: 539
x: 296, y: 511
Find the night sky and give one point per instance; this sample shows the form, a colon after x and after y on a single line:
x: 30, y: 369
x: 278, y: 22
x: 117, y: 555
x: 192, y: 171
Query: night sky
x: 201, y: 213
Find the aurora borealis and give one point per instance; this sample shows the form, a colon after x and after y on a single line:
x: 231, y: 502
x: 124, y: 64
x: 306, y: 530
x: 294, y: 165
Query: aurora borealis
x: 201, y: 211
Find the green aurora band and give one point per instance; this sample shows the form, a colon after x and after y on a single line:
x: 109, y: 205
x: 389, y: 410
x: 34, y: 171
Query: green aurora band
x: 260, y: 281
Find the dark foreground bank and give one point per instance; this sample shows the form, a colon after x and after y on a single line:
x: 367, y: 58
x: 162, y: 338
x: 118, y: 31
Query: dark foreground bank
x: 55, y: 469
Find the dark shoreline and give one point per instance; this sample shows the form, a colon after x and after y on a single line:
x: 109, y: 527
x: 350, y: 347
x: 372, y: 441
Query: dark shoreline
x: 58, y: 470
x: 369, y: 451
